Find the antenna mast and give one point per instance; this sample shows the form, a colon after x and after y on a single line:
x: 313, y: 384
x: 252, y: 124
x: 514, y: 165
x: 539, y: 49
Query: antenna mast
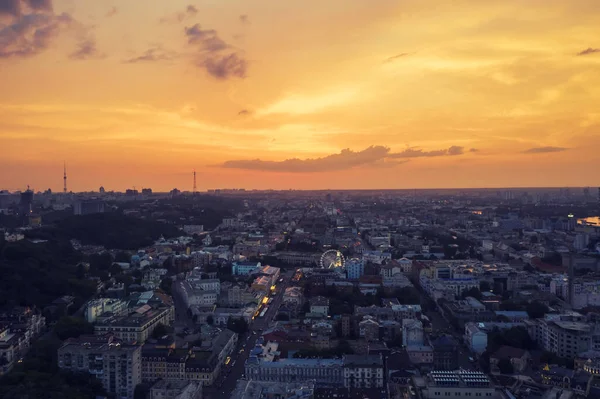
x: 194, y: 191
x: 64, y: 177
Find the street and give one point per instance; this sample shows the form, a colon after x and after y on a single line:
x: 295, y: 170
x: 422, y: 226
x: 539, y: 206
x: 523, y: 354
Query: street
x: 234, y: 371
x: 439, y: 324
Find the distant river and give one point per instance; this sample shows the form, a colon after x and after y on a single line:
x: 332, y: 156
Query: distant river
x: 592, y: 220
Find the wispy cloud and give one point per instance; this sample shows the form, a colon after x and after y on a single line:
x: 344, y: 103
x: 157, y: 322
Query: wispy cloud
x: 544, y: 150
x: 379, y: 156
x: 152, y: 55
x: 300, y: 104
x: 86, y: 50
x: 214, y: 55
x: 418, y: 153
x: 189, y: 12
x: 395, y: 57
x: 589, y: 51
x: 112, y: 12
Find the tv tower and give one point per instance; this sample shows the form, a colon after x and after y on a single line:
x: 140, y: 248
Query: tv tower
x: 64, y: 177
x: 194, y: 191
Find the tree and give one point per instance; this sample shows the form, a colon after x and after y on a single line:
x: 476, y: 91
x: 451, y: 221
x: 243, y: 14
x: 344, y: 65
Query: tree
x: 505, y: 366
x: 72, y: 327
x: 472, y: 292
x: 536, y: 310
x: 80, y: 273
x: 485, y: 286
x: 210, y: 320
x: 408, y: 296
x: 160, y: 331
x: 141, y: 391
x: 122, y: 257
x: 237, y: 325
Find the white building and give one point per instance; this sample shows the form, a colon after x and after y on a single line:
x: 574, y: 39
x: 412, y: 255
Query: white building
x: 319, y: 306
x: 412, y: 332
x: 378, y: 257
x: 475, y: 338
x: 457, y: 384
x: 100, y: 306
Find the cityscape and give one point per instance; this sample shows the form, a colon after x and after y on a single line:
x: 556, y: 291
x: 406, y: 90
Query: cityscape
x: 301, y: 294
x: 292, y: 199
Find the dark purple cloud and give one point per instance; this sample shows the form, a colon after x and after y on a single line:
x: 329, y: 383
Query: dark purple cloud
x: 372, y: 156
x: 33, y: 26
x: 40, y: 5
x: 589, y: 51
x: 214, y: 55
x: 418, y: 153
x: 395, y: 57
x: 31, y: 34
x: 544, y: 150
x: 10, y: 7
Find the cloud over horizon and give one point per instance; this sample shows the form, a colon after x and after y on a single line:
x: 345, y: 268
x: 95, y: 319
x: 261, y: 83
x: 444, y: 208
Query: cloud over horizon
x: 544, y: 150
x: 346, y: 159
x: 214, y: 55
x: 589, y: 51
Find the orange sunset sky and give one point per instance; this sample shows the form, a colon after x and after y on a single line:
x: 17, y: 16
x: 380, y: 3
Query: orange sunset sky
x: 299, y: 93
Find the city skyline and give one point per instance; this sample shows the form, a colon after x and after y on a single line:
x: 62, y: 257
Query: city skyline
x: 342, y: 94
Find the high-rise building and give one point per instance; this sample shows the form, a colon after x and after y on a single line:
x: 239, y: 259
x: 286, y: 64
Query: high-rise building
x: 116, y: 365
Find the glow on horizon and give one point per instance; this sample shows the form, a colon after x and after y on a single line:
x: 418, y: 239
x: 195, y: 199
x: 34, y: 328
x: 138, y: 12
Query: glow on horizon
x: 341, y: 94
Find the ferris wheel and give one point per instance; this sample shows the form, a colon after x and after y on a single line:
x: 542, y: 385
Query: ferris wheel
x: 332, y: 259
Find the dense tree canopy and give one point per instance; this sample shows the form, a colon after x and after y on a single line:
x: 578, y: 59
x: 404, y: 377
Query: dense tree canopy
x: 39, y: 377
x: 112, y: 230
x: 37, y: 274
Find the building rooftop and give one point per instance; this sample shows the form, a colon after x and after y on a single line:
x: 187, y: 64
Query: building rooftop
x: 363, y: 361
x: 297, y: 362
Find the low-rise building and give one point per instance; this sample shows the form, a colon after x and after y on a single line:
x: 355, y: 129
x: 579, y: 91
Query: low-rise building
x: 319, y: 306
x: 456, y: 384
x: 412, y: 332
x: 244, y: 268
x: 179, y: 389
x: 98, y: 307
x: 327, y: 371
x: 475, y: 338
x: 518, y: 357
x: 363, y: 371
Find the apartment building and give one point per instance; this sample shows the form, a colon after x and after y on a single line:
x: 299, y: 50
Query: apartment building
x: 137, y: 326
x: 116, y: 365
x: 363, y: 371
x: 163, y: 363
x: 565, y: 338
